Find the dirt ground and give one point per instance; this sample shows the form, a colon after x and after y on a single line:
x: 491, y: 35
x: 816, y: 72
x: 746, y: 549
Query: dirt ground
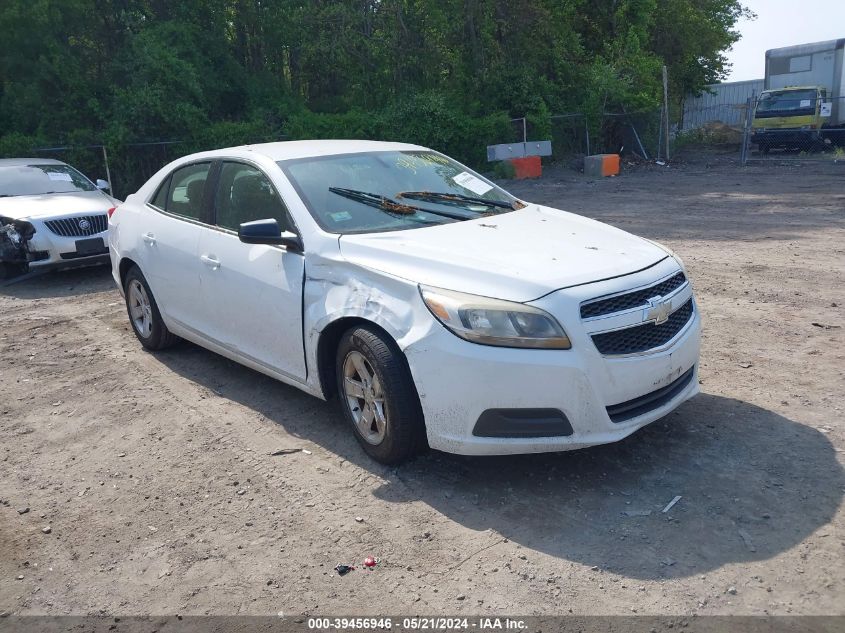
x: 154, y: 474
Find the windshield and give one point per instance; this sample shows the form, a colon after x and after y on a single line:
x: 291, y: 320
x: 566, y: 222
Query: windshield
x: 788, y: 102
x: 34, y: 180
x: 363, y: 193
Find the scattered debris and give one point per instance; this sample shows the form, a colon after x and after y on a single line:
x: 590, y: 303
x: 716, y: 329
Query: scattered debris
x: 370, y: 561
x: 359, y: 519
x: 285, y: 451
x: 47, y: 529
x: 20, y: 577
x: 745, y: 365
x: 668, y: 561
x: 306, y: 451
x: 746, y: 538
x: 121, y: 454
x: 732, y: 590
x: 461, y: 596
x: 241, y: 492
x: 636, y: 513
x: 671, y: 504
x: 23, y: 510
x: 342, y: 569
x: 825, y: 326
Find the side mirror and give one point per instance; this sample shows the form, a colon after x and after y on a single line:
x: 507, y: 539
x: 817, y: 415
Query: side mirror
x: 268, y: 232
x: 103, y: 185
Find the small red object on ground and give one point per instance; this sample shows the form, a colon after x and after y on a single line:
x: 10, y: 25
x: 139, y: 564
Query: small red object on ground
x: 369, y: 561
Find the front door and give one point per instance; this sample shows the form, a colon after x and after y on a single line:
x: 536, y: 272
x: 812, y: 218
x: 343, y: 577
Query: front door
x: 252, y: 293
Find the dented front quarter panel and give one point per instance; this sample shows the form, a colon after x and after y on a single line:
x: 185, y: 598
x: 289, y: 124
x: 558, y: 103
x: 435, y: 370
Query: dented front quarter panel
x: 336, y: 288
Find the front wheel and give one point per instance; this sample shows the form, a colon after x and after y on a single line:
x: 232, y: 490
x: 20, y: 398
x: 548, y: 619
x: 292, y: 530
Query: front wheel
x: 144, y: 314
x: 378, y: 396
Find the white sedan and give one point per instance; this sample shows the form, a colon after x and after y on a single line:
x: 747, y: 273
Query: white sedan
x: 441, y: 310
x: 51, y: 216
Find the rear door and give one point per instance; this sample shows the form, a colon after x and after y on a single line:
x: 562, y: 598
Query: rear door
x: 170, y: 241
x: 252, y: 293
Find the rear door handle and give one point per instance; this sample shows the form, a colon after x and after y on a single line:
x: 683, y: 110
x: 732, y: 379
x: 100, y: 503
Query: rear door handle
x: 149, y: 238
x: 214, y: 264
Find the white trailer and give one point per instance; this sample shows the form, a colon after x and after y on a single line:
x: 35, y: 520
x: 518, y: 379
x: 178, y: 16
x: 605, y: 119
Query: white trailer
x: 821, y: 64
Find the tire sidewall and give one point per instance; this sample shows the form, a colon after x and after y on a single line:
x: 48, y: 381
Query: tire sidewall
x: 387, y: 450
x: 156, y: 330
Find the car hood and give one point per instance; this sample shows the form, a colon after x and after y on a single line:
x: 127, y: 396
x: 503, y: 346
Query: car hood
x: 55, y: 204
x: 517, y: 256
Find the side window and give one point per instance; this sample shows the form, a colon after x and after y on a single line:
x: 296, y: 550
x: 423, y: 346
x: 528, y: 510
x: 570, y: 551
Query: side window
x: 160, y: 199
x: 245, y: 194
x: 184, y: 196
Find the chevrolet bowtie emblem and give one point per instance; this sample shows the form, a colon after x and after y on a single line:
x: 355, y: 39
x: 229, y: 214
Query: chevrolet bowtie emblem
x: 658, y: 310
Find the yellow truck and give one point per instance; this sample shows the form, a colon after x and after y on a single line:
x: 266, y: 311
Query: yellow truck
x: 803, y: 104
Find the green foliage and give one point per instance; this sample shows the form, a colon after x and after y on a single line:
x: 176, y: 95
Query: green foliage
x: 504, y: 170
x: 444, y: 73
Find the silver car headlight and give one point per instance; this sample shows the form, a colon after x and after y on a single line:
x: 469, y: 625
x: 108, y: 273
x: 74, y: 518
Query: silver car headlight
x: 493, y: 321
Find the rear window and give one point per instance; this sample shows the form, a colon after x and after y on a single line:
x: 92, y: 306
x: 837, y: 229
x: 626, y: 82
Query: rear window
x: 182, y: 192
x: 35, y: 180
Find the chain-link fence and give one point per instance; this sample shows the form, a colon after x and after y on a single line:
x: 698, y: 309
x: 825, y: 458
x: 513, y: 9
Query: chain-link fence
x: 639, y: 135
x: 126, y: 167
x: 794, y: 124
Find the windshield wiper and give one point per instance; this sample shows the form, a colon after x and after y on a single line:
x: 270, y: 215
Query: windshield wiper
x: 455, y: 199
x: 389, y: 205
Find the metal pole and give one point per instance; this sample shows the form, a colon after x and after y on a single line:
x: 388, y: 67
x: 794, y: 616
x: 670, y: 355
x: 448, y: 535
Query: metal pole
x: 749, y: 117
x: 639, y: 142
x: 666, y: 107
x: 524, y: 130
x: 660, y: 135
x: 108, y: 173
x: 587, y: 132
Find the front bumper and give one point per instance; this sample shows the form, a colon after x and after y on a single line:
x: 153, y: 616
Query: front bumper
x: 784, y: 137
x: 46, y: 249
x: 459, y: 381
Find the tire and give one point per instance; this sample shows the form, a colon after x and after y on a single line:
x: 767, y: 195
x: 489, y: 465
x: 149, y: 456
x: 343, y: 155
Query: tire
x: 384, y: 411
x: 143, y: 313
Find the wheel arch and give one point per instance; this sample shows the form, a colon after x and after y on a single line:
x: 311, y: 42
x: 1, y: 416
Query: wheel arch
x: 123, y: 267
x: 329, y: 340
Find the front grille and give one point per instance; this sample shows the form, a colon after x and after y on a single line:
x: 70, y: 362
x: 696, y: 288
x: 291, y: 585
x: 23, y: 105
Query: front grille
x: 630, y: 300
x: 625, y: 411
x: 641, y: 338
x: 70, y: 227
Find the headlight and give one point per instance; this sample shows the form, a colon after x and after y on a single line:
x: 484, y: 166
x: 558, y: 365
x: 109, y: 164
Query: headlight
x: 494, y: 321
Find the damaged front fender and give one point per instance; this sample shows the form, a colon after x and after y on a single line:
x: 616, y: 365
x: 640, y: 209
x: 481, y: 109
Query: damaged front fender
x: 14, y: 236
x: 336, y: 289
x: 14, y: 252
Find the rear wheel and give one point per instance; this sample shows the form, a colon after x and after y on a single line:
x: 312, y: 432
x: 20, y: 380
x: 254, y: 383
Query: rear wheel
x: 143, y: 312
x: 378, y: 396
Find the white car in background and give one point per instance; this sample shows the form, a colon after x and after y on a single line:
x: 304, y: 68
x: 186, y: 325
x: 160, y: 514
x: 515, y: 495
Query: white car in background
x: 51, y: 216
x: 439, y: 308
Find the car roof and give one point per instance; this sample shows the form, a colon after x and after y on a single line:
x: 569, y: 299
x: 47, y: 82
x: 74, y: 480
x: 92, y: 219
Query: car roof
x: 286, y: 150
x: 22, y: 162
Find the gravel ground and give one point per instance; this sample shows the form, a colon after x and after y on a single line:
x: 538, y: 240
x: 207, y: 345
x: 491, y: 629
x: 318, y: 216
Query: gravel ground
x: 137, y: 483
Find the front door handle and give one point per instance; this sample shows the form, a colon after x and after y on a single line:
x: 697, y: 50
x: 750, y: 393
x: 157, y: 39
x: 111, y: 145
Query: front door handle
x: 149, y: 238
x: 214, y: 264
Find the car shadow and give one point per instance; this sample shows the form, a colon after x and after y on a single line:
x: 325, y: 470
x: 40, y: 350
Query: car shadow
x: 752, y: 483
x: 59, y: 283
